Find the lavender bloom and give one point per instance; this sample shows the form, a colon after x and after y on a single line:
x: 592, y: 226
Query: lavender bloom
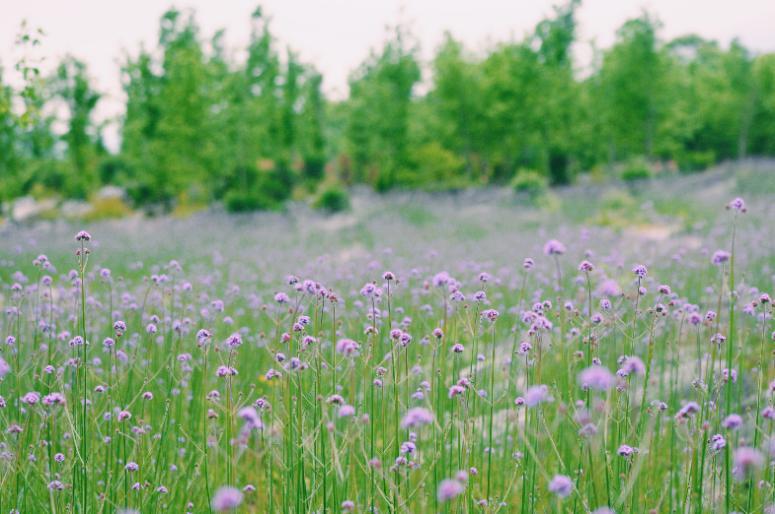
x: 717, y: 443
x: 640, y: 271
x: 251, y: 418
x: 417, y: 417
x: 720, y: 257
x: 449, y: 489
x: 537, y: 394
x: 347, y: 347
x: 83, y: 236
x: 732, y: 422
x: 346, y: 411
x: 227, y: 498
x: 4, y: 368
x: 554, y: 247
x: 597, y: 378
x: 746, y: 460
x: 561, y: 485
x: 738, y: 205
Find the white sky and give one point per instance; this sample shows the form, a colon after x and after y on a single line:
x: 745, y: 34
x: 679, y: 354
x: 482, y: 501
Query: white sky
x: 336, y: 35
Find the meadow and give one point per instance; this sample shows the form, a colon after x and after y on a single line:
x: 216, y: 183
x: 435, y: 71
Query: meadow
x: 602, y: 348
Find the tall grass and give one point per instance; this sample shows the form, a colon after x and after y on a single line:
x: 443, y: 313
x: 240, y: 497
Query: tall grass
x: 572, y: 382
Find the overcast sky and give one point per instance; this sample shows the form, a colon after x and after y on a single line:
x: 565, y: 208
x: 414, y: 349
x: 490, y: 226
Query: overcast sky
x: 335, y: 35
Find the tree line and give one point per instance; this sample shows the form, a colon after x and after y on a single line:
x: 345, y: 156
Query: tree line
x: 200, y: 126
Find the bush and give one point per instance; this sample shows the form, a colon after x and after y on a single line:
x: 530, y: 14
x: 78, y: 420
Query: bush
x: 692, y: 162
x: 107, y: 208
x: 333, y: 199
x: 530, y: 182
x: 246, y: 201
x: 636, y: 169
x: 432, y: 168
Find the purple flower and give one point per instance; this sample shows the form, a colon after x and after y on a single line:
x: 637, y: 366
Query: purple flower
x: 640, y: 271
x: 251, y: 418
x: 83, y: 236
x: 4, y: 368
x: 597, y: 378
x: 554, y: 247
x: 732, y: 422
x: 586, y: 266
x: 720, y: 257
x: 347, y: 347
x: 738, y: 205
x: 417, y: 417
x: 746, y: 460
x: 561, y: 485
x: 346, y: 411
x: 227, y: 498
x: 449, y: 489
x: 717, y: 443
x: 632, y: 365
x: 528, y: 263
x: 537, y: 394
x: 626, y: 450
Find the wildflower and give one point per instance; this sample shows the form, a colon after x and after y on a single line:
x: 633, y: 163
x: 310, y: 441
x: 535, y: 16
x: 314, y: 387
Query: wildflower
x: 717, y: 442
x: 226, y: 498
x: 732, y: 422
x: 631, y: 365
x: 449, y: 489
x: 251, y: 418
x: 626, y: 450
x: 490, y: 314
x: 347, y: 347
x: 83, y: 236
x: 234, y: 340
x: 528, y: 263
x: 720, y: 257
x: 56, y: 485
x: 417, y: 417
x: 738, y: 205
x: 536, y: 395
x: 746, y: 461
x: 4, y: 368
x: 348, y: 506
x: 640, y: 271
x: 346, y: 411
x: 687, y: 411
x: 586, y: 267
x: 554, y: 247
x: 561, y: 485
x: 597, y: 378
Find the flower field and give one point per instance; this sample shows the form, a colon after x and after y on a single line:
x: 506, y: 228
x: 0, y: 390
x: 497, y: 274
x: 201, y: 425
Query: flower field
x: 422, y: 354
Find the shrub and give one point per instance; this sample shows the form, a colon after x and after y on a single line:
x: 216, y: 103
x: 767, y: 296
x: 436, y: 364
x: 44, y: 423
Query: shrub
x: 692, y: 162
x: 636, y: 169
x: 246, y: 201
x: 107, y: 208
x: 332, y: 199
x: 530, y: 182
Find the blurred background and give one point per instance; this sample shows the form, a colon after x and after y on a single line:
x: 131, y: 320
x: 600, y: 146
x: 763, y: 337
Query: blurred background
x: 114, y: 111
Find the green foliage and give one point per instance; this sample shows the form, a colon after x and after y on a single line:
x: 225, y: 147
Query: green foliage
x: 635, y: 169
x: 107, y: 208
x: 333, y: 198
x: 202, y: 126
x: 530, y: 182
